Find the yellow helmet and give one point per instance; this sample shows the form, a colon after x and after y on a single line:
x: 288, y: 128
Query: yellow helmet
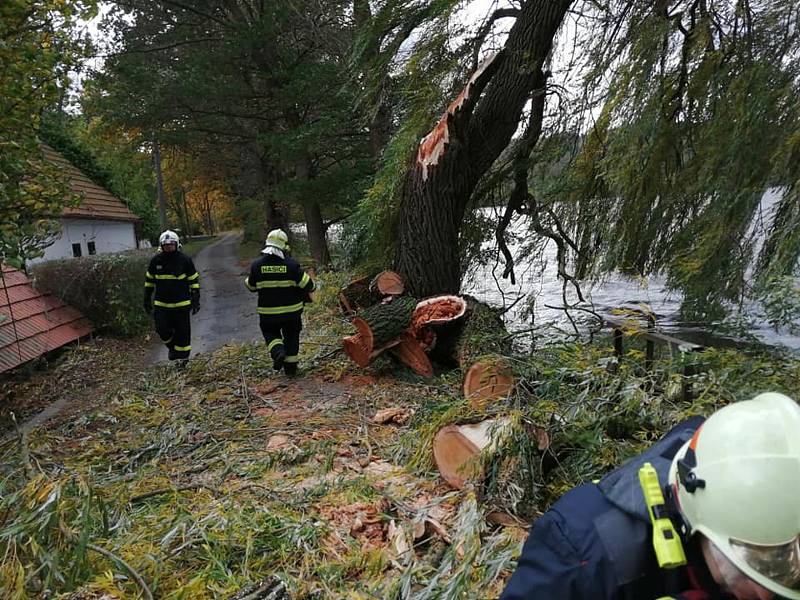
x: 277, y: 238
x: 737, y: 482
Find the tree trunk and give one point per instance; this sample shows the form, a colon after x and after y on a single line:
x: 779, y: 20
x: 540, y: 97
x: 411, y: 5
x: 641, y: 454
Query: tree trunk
x: 472, y: 133
x: 162, y: 202
x: 187, y: 224
x: 378, y: 327
x: 315, y: 228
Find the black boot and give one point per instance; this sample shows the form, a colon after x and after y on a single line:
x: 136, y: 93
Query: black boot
x: 278, y: 357
x: 290, y: 368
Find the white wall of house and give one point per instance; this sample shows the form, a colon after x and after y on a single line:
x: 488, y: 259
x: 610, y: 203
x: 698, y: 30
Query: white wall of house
x: 92, y: 236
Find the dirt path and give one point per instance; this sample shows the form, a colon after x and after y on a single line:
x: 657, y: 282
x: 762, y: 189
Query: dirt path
x: 227, y: 312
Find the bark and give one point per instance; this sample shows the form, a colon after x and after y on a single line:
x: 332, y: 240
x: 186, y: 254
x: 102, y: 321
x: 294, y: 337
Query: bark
x: 315, y: 226
x: 388, y: 321
x: 379, y: 327
x: 479, y: 126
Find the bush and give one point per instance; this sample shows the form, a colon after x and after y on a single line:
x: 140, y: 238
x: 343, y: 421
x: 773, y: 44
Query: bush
x: 107, y: 288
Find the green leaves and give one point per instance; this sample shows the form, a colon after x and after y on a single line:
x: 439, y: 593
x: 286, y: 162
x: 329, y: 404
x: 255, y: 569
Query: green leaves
x: 699, y: 118
x: 37, y: 50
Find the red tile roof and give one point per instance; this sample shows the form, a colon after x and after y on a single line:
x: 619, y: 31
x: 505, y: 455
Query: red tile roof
x: 32, y: 323
x: 97, y: 203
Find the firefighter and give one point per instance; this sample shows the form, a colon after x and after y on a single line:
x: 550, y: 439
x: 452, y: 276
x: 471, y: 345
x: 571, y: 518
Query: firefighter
x: 171, y: 274
x: 283, y: 288
x: 710, y: 511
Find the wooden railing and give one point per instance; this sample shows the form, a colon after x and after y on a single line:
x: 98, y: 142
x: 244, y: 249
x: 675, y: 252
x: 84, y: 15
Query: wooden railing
x: 653, y: 337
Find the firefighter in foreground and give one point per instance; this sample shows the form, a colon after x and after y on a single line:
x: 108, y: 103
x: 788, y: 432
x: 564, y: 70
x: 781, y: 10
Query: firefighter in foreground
x: 283, y: 288
x: 171, y: 274
x: 712, y: 510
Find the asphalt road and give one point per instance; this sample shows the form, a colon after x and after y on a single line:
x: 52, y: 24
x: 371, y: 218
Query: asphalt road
x: 227, y: 309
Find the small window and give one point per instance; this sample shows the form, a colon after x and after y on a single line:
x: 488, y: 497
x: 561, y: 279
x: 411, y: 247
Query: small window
x: 76, y: 250
x: 91, y: 247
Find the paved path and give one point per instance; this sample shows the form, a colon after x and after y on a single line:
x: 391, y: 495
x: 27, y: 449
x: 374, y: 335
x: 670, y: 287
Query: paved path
x: 227, y: 309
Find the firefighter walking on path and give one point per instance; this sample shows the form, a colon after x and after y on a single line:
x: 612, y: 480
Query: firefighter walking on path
x: 283, y: 288
x: 176, y: 283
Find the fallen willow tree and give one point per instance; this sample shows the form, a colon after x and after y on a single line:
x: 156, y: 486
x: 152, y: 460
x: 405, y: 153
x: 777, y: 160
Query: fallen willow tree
x: 408, y: 328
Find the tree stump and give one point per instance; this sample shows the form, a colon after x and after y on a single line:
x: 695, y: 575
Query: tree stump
x: 486, y: 381
x: 456, y: 448
x: 479, y: 332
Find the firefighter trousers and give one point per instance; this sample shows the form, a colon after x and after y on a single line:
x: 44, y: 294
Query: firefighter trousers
x: 174, y: 327
x: 283, y: 339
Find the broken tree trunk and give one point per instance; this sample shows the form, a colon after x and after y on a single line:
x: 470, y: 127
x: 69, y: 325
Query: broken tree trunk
x: 487, y: 381
x: 481, y: 331
x: 456, y: 449
x: 378, y: 327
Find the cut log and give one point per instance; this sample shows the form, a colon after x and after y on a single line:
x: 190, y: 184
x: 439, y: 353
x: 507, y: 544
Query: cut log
x: 356, y: 296
x: 456, y: 448
x: 379, y: 327
x: 411, y: 354
x: 387, y: 283
x: 485, y: 382
x: 386, y: 320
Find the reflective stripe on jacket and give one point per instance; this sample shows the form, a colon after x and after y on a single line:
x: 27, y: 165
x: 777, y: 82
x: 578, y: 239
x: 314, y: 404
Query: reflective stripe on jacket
x: 174, y: 277
x: 282, y: 286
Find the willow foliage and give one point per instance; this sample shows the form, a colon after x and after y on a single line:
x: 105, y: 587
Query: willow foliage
x: 697, y: 117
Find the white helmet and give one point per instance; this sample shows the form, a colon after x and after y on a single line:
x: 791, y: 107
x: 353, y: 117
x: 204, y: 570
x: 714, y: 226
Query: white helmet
x: 277, y: 238
x: 737, y: 482
x: 169, y: 237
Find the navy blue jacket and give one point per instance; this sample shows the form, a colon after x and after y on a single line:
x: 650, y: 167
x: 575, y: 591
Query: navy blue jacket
x: 595, y: 543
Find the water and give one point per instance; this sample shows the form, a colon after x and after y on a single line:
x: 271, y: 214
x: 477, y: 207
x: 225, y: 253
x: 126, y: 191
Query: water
x: 537, y: 285
x: 535, y: 301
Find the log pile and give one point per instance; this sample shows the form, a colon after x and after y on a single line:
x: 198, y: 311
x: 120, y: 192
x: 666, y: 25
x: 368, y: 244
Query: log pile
x: 453, y: 330
x: 387, y: 320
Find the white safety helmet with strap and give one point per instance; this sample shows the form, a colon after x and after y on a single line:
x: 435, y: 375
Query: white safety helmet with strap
x: 277, y: 238
x: 737, y: 482
x: 169, y: 237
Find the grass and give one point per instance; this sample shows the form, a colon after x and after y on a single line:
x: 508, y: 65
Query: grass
x: 221, y: 478
x: 193, y: 247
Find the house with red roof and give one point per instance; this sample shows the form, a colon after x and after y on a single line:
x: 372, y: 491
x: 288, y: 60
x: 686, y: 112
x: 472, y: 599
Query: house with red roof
x: 100, y: 224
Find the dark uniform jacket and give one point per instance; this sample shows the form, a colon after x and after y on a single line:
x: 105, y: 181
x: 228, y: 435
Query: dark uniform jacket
x: 174, y: 278
x: 596, y: 541
x: 282, y: 287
